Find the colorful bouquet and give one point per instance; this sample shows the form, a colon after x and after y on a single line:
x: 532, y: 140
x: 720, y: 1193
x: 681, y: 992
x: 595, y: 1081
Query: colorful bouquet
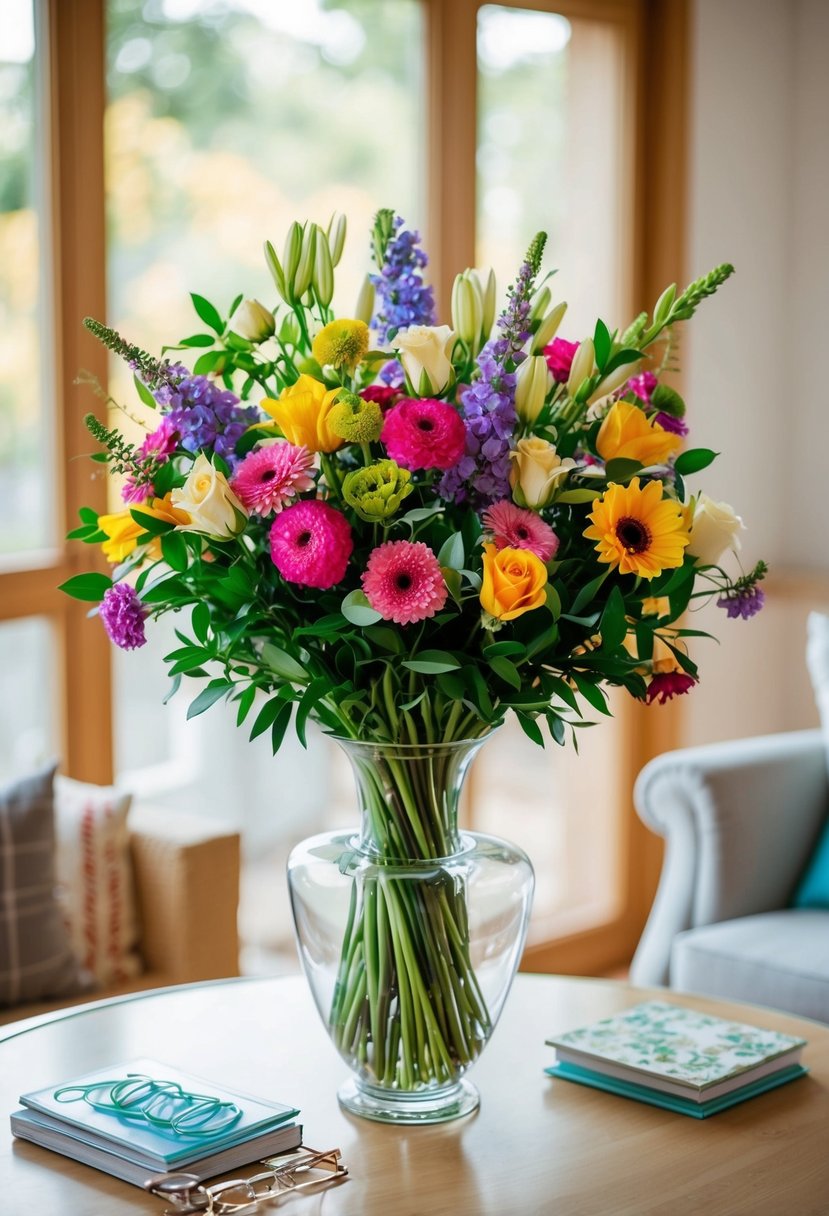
x: 406, y: 538
x: 404, y: 531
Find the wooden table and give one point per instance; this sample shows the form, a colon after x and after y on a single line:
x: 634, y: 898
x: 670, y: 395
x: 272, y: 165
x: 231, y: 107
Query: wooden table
x: 536, y: 1146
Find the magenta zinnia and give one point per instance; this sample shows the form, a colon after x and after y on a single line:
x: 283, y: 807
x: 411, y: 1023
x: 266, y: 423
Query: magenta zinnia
x: 420, y: 433
x: 123, y: 616
x: 403, y: 582
x: 514, y: 528
x: 268, y: 478
x: 667, y: 684
x: 311, y: 543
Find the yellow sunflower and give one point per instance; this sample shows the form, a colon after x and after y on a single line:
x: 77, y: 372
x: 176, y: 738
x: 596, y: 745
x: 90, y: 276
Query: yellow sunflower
x: 638, y: 530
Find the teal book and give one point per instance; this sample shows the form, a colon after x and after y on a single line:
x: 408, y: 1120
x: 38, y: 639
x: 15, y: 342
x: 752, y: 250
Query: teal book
x: 185, y: 1119
x: 677, y: 1058
x: 682, y: 1106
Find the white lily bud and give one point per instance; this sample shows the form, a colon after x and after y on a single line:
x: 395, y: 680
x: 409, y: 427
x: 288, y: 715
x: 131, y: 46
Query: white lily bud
x: 364, y: 310
x: 336, y: 236
x: 277, y: 273
x: 467, y: 309
x: 305, y: 267
x: 292, y: 253
x: 533, y: 383
x: 540, y: 304
x: 489, y: 304
x: 253, y: 321
x: 581, y: 367
x: 548, y: 328
x: 289, y: 330
x: 615, y: 380
x: 323, y: 270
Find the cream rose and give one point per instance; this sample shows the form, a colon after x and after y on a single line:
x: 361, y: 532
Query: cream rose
x: 426, y: 349
x: 536, y: 470
x: 715, y: 527
x: 209, y: 501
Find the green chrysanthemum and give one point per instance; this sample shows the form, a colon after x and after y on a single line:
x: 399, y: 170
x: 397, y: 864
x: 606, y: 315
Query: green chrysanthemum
x: 356, y: 420
x: 377, y: 491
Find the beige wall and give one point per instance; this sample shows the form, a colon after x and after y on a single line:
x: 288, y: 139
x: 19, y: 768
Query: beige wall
x: 759, y: 186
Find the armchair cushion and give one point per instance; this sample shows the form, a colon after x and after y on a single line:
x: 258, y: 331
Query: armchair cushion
x: 778, y: 959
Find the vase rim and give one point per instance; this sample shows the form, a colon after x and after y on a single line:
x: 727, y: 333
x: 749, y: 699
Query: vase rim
x: 412, y: 749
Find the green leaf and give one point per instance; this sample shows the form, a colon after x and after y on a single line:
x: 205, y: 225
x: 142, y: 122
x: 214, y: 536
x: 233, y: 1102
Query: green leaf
x: 207, y: 312
x: 508, y: 672
x: 266, y: 717
x: 589, y: 592
x: 356, y: 609
x: 530, y: 728
x: 451, y: 552
x: 454, y: 582
x: 151, y: 523
x: 245, y: 702
x: 575, y: 497
x: 91, y: 586
x: 167, y: 589
x: 197, y: 340
x: 628, y: 355
x: 591, y: 692
x: 622, y: 469
x: 313, y: 693
x: 144, y: 393
x: 175, y: 553
x: 510, y: 649
x: 209, y: 696
x: 613, y: 626
x: 693, y: 460
x: 85, y: 532
x: 602, y: 343
x: 553, y: 600
x: 385, y: 637
x: 432, y: 662
x: 556, y: 727
x: 280, y: 726
x: 200, y: 621
x: 212, y: 361
x: 284, y: 664
x: 173, y: 689
x: 668, y: 400
x: 452, y: 686
x: 420, y: 513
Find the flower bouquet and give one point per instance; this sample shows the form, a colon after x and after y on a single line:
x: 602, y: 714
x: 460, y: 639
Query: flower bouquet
x: 404, y: 532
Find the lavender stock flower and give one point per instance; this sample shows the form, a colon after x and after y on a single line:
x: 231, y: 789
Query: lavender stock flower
x: 744, y: 598
x: 482, y: 474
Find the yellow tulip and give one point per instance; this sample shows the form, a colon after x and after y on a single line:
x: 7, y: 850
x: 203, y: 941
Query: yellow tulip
x: 627, y: 434
x: 302, y: 414
x: 514, y: 582
x: 123, y: 531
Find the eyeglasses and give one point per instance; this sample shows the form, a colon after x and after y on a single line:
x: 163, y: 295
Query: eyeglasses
x: 303, y: 1170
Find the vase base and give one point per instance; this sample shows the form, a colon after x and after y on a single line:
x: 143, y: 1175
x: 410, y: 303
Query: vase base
x: 395, y: 1107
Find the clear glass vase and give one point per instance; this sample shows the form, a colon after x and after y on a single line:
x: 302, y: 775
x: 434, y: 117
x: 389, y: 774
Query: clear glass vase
x: 409, y: 932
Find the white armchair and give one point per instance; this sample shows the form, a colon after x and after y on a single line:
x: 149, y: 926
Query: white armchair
x: 740, y: 821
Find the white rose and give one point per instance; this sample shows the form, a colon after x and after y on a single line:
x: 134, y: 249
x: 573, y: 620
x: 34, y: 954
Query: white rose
x: 425, y: 352
x: 715, y: 527
x: 209, y: 501
x: 253, y: 321
x: 536, y: 469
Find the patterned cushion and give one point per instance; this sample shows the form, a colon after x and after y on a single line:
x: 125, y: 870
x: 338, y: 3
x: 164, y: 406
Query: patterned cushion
x: 813, y: 887
x: 36, y: 959
x: 94, y: 873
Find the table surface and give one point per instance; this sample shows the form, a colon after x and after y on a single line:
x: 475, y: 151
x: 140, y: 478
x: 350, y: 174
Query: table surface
x: 536, y: 1145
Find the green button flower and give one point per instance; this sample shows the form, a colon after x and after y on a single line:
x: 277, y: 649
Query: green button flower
x: 356, y: 420
x: 377, y: 491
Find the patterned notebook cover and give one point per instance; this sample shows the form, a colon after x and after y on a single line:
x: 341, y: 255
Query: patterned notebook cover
x: 682, y: 1045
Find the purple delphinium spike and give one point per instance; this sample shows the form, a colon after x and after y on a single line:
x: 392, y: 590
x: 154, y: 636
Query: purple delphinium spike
x: 123, y: 614
x: 403, y: 299
x: 482, y: 474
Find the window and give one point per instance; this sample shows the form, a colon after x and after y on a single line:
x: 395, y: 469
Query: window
x: 225, y: 119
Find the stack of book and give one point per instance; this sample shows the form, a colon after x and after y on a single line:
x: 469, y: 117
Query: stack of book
x: 134, y: 1148
x: 677, y: 1058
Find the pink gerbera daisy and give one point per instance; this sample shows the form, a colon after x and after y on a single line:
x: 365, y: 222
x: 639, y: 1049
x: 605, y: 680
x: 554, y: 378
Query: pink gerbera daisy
x: 311, y: 543
x: 271, y: 476
x: 514, y: 528
x: 420, y: 433
x: 403, y: 582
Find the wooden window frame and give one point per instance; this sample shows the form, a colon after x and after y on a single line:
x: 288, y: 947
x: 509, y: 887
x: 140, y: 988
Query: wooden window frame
x: 72, y: 33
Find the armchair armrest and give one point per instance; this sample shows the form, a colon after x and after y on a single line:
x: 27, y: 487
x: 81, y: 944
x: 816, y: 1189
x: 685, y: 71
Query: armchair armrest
x: 740, y: 820
x: 187, y: 891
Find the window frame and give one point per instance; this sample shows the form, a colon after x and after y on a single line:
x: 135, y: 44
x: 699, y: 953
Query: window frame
x: 71, y: 38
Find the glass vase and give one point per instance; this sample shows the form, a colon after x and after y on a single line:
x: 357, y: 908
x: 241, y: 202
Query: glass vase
x: 409, y: 932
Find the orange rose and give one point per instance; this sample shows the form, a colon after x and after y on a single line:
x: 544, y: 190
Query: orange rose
x: 514, y: 582
x: 627, y: 434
